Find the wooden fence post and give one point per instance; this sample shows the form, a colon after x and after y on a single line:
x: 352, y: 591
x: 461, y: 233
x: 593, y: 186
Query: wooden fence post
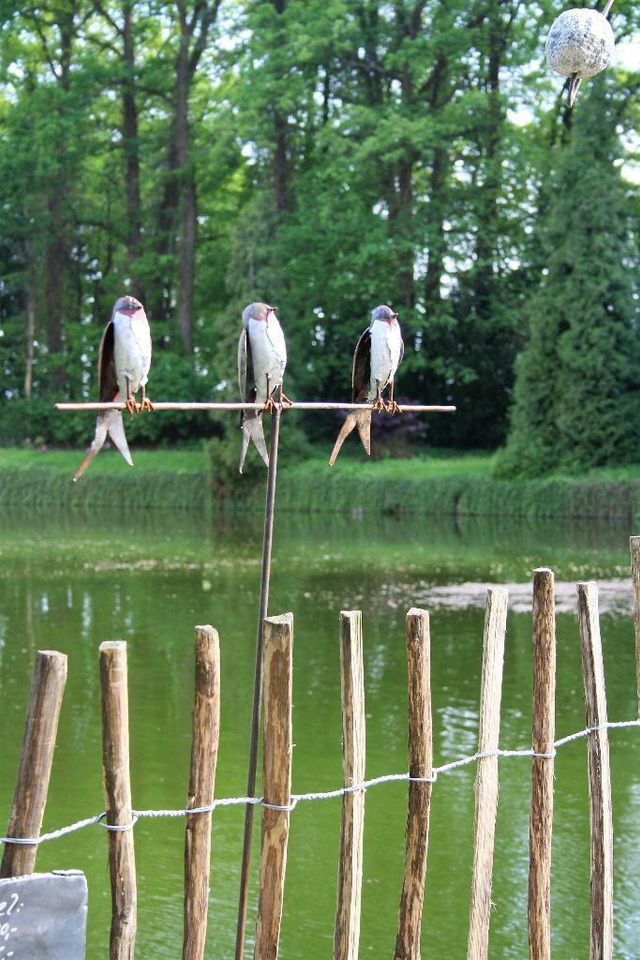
x: 117, y: 788
x: 277, y: 686
x: 542, y: 738
x: 634, y: 544
x: 347, y: 928
x: 204, y: 755
x: 420, y: 765
x: 487, y: 777
x: 600, y: 815
x: 34, y: 771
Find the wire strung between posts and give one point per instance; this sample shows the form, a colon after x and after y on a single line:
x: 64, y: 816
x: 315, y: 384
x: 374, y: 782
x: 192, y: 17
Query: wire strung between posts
x: 324, y: 794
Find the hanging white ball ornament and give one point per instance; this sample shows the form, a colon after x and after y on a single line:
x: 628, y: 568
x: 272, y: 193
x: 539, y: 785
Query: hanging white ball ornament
x: 580, y: 42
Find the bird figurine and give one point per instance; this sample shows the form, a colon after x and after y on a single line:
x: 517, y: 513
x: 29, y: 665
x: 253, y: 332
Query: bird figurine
x: 262, y: 357
x: 124, y: 359
x: 375, y: 361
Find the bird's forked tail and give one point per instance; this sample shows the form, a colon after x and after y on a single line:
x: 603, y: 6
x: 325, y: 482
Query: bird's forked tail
x: 252, y: 431
x: 109, y: 423
x: 356, y: 418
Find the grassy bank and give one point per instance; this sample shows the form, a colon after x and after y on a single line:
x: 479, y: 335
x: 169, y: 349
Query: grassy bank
x: 458, y: 486
x: 160, y: 479
x: 446, y: 485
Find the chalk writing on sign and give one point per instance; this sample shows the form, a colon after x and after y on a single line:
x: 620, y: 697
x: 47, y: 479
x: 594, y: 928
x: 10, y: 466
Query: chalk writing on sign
x: 8, y: 907
x: 43, y: 916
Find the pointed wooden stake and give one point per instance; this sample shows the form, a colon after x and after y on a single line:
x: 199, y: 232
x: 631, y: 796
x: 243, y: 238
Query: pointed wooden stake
x: 420, y: 765
x: 601, y: 818
x: 277, y: 686
x: 204, y: 755
x: 117, y: 788
x: 36, y: 759
x: 347, y: 929
x: 634, y: 544
x: 542, y: 737
x: 487, y: 778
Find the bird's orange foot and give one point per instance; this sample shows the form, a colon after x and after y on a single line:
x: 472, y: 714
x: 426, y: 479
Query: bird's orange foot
x: 379, y: 405
x: 269, y: 405
x: 392, y: 407
x: 146, y: 406
x: 131, y: 406
x: 283, y: 400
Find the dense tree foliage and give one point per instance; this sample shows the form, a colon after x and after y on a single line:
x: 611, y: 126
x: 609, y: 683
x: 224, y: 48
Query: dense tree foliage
x: 577, y: 391
x: 324, y: 155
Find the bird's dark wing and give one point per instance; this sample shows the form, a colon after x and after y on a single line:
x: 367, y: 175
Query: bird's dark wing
x: 107, y: 379
x: 246, y: 377
x: 361, y: 374
x: 401, y: 352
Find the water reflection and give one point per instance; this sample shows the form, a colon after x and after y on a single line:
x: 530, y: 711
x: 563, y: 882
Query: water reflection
x: 70, y: 581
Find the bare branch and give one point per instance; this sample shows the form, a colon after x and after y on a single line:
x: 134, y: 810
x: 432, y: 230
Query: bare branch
x: 208, y: 19
x: 45, y: 43
x: 106, y: 15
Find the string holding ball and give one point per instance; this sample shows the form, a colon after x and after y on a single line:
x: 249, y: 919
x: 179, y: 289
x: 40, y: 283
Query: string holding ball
x: 580, y: 43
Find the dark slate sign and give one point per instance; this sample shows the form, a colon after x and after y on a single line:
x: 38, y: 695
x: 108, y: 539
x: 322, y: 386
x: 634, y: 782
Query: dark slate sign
x: 43, y: 916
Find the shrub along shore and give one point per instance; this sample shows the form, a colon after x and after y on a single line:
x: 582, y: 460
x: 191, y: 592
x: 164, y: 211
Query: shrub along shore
x: 433, y: 485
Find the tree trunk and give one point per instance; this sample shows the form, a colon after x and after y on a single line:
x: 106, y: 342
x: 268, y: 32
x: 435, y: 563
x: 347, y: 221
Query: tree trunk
x: 187, y: 194
x: 281, y: 157
x: 30, y: 336
x: 401, y: 201
x: 55, y: 272
x: 437, y: 242
x: 131, y: 151
x: 57, y: 254
x: 188, y: 236
x: 487, y: 230
x: 281, y: 166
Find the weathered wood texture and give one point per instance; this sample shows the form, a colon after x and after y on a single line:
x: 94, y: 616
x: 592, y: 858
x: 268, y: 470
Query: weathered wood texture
x: 277, y: 685
x: 486, y: 807
x: 117, y: 788
x: 634, y: 543
x: 204, y: 755
x: 34, y: 771
x: 600, y: 815
x: 347, y: 928
x: 420, y: 765
x: 542, y: 737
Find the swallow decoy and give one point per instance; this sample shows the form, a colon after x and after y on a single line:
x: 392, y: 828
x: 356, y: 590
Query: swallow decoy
x: 262, y: 357
x: 124, y: 359
x: 375, y: 361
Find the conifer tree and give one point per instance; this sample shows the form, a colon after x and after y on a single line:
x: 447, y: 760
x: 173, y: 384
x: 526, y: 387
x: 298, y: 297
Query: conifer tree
x: 577, y: 390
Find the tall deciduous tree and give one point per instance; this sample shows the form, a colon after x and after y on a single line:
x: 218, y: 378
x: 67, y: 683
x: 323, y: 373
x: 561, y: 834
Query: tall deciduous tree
x: 326, y: 155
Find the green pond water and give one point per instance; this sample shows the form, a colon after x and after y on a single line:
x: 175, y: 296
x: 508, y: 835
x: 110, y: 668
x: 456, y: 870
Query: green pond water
x: 70, y: 581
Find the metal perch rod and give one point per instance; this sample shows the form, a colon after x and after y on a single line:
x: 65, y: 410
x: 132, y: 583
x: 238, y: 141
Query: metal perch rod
x: 413, y: 408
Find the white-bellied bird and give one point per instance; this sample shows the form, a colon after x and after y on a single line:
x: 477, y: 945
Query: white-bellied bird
x: 124, y: 359
x: 262, y: 357
x: 375, y: 361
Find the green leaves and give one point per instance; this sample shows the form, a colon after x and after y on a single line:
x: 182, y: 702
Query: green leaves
x: 577, y: 395
x: 342, y: 154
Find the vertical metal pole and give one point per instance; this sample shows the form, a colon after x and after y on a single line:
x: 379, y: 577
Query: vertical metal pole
x: 267, y: 543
